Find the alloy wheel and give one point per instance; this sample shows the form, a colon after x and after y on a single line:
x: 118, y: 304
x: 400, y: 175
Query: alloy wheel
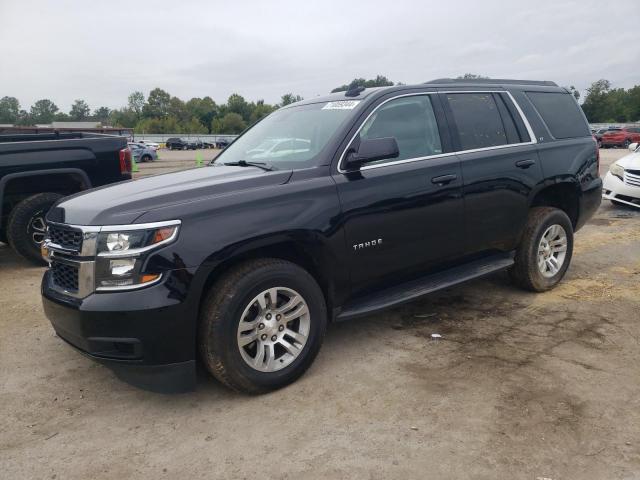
x: 552, y: 250
x: 273, y: 329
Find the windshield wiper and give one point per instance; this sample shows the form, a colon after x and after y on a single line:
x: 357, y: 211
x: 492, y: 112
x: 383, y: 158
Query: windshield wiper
x: 243, y: 163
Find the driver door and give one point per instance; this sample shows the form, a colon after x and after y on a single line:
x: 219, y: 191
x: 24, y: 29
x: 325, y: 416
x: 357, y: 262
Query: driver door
x: 403, y: 215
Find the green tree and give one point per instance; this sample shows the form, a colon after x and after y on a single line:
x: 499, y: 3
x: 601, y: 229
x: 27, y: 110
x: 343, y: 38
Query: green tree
x: 595, y: 103
x: 43, y: 111
x: 204, y: 109
x: 136, y: 102
x: 9, y: 110
x: 237, y: 104
x: 574, y: 92
x: 158, y: 104
x: 102, y: 115
x: 231, y: 123
x: 125, y: 117
x: 289, y: 98
x: 379, y: 81
x: 261, y: 110
x: 79, y: 110
x: 194, y: 126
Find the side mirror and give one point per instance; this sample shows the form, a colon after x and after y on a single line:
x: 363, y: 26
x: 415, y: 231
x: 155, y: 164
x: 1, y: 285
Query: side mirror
x: 633, y: 147
x: 372, y: 149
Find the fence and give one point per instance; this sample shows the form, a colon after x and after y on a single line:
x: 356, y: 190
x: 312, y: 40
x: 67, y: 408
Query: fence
x: 161, y: 138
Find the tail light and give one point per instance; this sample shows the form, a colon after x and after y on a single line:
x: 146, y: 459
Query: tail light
x: 125, y: 161
x: 597, y: 154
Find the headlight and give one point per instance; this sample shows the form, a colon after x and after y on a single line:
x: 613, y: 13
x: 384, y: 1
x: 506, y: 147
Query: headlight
x: 617, y: 171
x: 122, y: 253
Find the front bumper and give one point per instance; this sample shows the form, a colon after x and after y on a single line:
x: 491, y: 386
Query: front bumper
x: 619, y: 191
x: 146, y: 336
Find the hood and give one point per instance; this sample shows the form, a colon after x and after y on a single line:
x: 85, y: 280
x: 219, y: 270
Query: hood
x: 124, y: 202
x: 630, y: 162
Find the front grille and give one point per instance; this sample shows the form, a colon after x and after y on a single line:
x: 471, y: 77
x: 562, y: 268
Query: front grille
x: 631, y: 178
x: 65, y: 276
x: 66, y: 237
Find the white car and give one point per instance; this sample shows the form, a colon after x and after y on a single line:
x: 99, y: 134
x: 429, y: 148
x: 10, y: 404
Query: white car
x: 622, y: 182
x: 153, y: 145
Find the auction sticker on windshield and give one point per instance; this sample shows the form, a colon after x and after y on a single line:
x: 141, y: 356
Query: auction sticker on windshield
x: 341, y: 105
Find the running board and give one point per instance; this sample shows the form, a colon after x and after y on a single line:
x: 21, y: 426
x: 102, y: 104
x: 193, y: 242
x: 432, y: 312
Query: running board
x: 408, y: 291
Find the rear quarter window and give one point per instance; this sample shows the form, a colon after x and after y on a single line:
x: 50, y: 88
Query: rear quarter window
x: 561, y: 113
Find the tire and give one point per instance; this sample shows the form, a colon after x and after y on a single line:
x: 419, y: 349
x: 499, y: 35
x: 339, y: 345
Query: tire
x: 222, y: 312
x: 526, y: 272
x: 145, y: 158
x: 26, y: 225
x: 185, y: 147
x: 626, y: 143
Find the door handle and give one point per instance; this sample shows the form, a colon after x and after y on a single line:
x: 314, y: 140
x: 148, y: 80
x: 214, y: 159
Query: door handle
x: 525, y: 163
x: 444, y: 179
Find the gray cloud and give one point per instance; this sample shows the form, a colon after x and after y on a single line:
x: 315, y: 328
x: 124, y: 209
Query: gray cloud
x: 102, y: 51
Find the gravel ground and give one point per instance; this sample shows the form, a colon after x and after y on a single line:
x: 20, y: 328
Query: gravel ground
x: 521, y: 386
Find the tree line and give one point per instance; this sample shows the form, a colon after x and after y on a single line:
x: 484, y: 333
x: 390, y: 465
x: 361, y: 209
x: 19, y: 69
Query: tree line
x: 160, y: 112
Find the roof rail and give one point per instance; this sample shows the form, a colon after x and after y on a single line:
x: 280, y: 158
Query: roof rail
x: 497, y: 81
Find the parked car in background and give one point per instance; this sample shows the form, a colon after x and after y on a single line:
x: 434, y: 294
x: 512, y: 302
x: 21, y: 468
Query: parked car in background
x: 222, y: 143
x: 620, y: 137
x: 150, y: 144
x: 142, y: 152
x: 601, y: 131
x: 622, y: 181
x: 399, y: 192
x: 37, y: 170
x: 176, y: 143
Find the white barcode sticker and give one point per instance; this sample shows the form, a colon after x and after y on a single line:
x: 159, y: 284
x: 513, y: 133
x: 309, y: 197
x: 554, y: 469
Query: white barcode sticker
x: 341, y: 105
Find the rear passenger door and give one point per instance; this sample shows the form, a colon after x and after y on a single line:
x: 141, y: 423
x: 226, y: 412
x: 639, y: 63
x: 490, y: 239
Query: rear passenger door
x: 499, y: 164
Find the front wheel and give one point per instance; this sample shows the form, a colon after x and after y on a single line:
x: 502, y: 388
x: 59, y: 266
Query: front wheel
x: 262, y: 325
x: 544, y: 253
x: 26, y: 227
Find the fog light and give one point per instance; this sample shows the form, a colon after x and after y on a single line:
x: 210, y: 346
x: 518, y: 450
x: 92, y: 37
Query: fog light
x: 122, y: 266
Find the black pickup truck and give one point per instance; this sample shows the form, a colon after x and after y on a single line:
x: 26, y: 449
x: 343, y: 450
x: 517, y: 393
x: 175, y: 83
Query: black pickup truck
x: 36, y: 170
x: 326, y: 210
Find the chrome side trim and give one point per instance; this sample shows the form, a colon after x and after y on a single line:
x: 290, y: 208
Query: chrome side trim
x: 139, y: 226
x: 440, y: 155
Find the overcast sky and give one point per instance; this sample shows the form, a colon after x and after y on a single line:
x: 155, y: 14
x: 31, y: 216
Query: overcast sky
x: 101, y: 51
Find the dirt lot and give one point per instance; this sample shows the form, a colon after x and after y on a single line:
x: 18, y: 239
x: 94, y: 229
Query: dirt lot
x: 521, y: 386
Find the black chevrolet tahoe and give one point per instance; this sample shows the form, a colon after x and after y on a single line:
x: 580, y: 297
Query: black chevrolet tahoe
x: 328, y: 209
x: 36, y: 170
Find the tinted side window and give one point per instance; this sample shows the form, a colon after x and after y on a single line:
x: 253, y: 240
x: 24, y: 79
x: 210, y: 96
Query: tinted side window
x: 411, y: 121
x: 561, y: 113
x: 478, y: 120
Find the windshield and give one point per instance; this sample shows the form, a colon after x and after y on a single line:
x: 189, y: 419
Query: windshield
x: 291, y: 137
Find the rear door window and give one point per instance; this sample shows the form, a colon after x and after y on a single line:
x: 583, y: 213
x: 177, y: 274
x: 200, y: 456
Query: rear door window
x: 561, y: 113
x: 478, y: 120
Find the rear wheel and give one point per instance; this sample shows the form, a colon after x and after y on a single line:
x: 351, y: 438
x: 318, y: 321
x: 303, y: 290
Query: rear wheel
x: 262, y: 325
x: 26, y: 227
x: 146, y: 158
x: 626, y: 143
x: 544, y: 253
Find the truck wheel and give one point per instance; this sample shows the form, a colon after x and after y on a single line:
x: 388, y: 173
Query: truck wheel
x: 26, y: 227
x: 544, y: 253
x: 261, y: 325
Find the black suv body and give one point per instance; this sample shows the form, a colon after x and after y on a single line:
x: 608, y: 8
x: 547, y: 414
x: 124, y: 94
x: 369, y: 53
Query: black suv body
x: 351, y: 203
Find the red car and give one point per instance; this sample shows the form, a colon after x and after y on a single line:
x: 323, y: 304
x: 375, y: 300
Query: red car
x: 620, y: 137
